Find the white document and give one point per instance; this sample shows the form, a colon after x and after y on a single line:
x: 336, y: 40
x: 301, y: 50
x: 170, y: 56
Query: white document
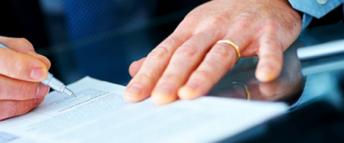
x: 99, y: 114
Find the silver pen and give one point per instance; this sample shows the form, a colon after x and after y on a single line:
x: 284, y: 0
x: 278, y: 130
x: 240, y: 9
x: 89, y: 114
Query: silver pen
x: 57, y: 85
x: 54, y: 83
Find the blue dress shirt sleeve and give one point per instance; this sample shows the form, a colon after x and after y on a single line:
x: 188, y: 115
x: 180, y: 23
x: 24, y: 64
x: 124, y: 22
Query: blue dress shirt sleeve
x: 314, y: 8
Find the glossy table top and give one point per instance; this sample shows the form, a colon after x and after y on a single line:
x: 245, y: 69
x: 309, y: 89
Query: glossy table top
x: 241, y: 82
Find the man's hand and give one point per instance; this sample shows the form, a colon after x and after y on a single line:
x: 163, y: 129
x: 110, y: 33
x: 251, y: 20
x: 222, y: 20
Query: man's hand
x: 21, y: 70
x: 189, y: 62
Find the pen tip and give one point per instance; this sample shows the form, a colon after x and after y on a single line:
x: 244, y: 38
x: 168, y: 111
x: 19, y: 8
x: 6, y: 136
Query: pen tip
x: 69, y: 92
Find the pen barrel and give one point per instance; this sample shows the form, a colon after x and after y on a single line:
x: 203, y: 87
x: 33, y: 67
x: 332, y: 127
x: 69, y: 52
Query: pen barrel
x: 54, y: 83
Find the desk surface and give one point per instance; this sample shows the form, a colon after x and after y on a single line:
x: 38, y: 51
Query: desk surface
x: 293, y: 82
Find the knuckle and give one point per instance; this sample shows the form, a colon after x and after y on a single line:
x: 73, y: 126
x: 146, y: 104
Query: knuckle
x: 27, y: 91
x: 45, y: 60
x: 242, y: 24
x: 268, y: 39
x: 218, y: 20
x: 24, y: 42
x: 187, y: 50
x: 171, y: 40
x: 192, y: 15
x: 271, y: 25
x: 159, y: 52
x: 48, y: 64
x: 222, y: 52
x: 169, y: 77
x: 272, y: 58
x: 244, y: 19
x: 214, y: 63
x: 144, y: 77
x: 202, y: 75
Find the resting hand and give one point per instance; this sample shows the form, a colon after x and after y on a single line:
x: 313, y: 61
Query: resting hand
x: 189, y: 62
x: 21, y: 70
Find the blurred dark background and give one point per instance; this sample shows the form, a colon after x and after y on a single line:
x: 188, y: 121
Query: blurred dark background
x: 95, y: 38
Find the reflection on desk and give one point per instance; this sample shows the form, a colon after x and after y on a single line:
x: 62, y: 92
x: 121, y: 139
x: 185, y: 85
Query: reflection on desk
x: 241, y: 81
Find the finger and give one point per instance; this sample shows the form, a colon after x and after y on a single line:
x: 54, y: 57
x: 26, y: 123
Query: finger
x: 12, y: 108
x: 22, y: 66
x: 217, y: 62
x: 18, y: 44
x: 43, y: 59
x: 183, y: 62
x: 12, y: 89
x: 143, y: 82
x: 135, y: 66
x: 270, y: 58
x: 22, y: 45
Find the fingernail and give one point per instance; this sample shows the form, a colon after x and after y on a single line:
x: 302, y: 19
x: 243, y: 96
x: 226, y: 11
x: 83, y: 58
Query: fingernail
x: 184, y: 93
x: 134, y: 92
x: 37, y: 74
x: 134, y: 89
x: 265, y: 74
x: 42, y: 90
x: 164, y: 94
x: 188, y: 91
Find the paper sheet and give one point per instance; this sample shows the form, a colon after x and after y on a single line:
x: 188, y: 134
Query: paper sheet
x: 99, y: 114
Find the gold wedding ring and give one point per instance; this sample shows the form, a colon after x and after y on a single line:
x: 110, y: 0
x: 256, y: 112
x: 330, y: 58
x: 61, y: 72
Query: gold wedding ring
x: 231, y: 44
